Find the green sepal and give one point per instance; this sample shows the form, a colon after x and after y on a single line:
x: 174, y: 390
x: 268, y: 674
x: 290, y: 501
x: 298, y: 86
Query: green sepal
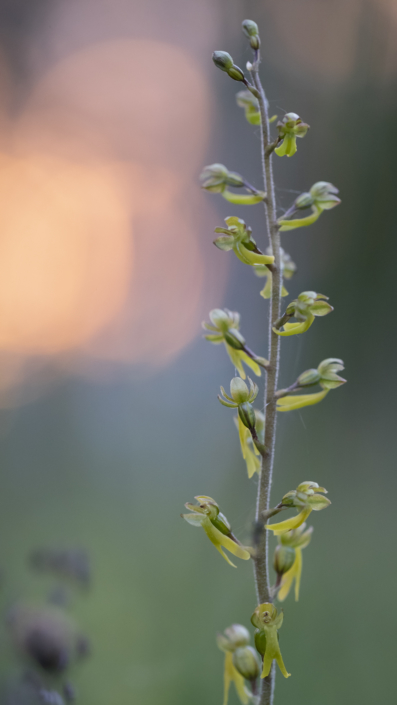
x: 242, y: 199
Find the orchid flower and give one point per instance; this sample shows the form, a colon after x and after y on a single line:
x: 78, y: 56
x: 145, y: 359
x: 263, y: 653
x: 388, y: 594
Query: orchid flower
x: 289, y: 128
x: 224, y: 328
x: 325, y: 375
x: 216, y: 178
x: 307, y: 497
x: 206, y: 514
x: 268, y: 622
x: 297, y: 539
x: 308, y: 305
x: 237, y: 237
x: 322, y: 196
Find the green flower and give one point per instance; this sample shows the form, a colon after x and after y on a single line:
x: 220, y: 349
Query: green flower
x: 290, y: 127
x: 267, y: 622
x: 288, y: 269
x: 216, y: 178
x: 306, y: 498
x: 325, y: 375
x: 224, y: 328
x: 241, y: 662
x: 237, y: 237
x: 249, y: 451
x: 322, y: 196
x: 297, y: 540
x: 308, y: 305
x: 249, y: 103
x: 241, y: 398
x: 206, y: 514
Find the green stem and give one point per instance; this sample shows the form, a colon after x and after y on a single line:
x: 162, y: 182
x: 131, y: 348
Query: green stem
x: 261, y: 562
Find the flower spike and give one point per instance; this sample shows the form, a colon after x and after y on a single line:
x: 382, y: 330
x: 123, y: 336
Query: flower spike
x: 307, y: 497
x: 206, y: 514
x: 267, y: 622
x: 224, y: 328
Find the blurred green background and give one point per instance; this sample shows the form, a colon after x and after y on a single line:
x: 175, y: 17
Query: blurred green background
x: 105, y: 460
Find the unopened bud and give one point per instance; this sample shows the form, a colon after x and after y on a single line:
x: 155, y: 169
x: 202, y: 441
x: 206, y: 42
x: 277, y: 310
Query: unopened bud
x: 237, y: 635
x: 239, y: 390
x: 236, y: 73
x: 251, y: 30
x: 234, y: 339
x: 246, y: 662
x: 305, y: 200
x: 284, y: 557
x: 309, y: 378
x: 222, y: 60
x: 247, y: 415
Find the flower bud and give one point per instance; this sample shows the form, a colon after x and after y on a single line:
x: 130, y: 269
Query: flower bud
x: 284, y: 557
x: 305, y: 200
x: 324, y: 195
x: 234, y: 339
x: 223, y: 319
x: 260, y: 642
x: 215, y: 178
x: 308, y: 378
x: 251, y: 30
x: 239, y: 390
x: 236, y: 73
x: 237, y: 636
x: 222, y: 60
x: 245, y: 661
x: 247, y: 415
x: 328, y: 369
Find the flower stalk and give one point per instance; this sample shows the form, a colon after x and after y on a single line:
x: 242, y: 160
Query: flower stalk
x: 257, y: 428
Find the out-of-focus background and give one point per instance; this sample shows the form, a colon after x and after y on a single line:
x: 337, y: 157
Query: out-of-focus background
x: 109, y: 417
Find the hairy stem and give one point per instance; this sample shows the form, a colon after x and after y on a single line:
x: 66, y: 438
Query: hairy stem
x: 261, y: 562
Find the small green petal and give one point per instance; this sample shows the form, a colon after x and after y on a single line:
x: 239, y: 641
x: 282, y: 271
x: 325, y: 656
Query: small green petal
x: 300, y: 222
x: 292, y: 523
x: 281, y: 151
x: 241, y: 199
x: 193, y: 519
x: 253, y: 258
x: 291, y: 403
x: 295, y: 328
